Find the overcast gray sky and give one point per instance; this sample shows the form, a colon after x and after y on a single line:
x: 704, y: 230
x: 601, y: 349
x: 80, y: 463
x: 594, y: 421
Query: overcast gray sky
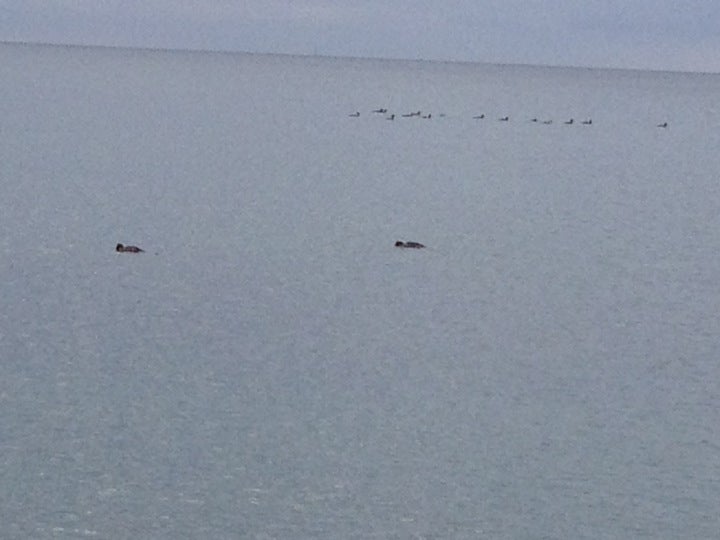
x: 646, y: 34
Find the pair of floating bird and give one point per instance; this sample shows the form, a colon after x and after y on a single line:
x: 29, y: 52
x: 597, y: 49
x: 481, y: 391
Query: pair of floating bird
x: 392, y: 116
x: 569, y: 122
x: 120, y: 248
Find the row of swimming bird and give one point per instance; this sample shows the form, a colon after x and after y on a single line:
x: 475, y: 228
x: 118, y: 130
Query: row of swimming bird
x: 419, y: 114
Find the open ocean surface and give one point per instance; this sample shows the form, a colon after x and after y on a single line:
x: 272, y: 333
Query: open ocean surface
x: 273, y: 368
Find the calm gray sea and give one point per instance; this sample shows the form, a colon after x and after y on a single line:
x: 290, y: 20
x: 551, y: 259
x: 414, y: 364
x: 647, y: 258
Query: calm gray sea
x: 274, y: 368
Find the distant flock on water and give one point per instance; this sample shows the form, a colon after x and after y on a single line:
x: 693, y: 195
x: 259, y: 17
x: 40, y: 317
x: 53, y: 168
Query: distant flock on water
x: 428, y: 116
x: 121, y: 248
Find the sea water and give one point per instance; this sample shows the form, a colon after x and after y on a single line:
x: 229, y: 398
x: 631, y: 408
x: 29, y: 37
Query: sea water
x: 273, y: 367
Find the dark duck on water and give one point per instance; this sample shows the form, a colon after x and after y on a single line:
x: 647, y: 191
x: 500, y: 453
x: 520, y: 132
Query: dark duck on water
x: 128, y: 249
x: 401, y: 244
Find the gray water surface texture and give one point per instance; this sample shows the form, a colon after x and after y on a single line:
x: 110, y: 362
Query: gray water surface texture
x: 272, y: 367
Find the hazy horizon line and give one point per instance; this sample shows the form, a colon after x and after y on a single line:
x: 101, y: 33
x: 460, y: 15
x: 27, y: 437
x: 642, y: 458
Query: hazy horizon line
x: 338, y: 57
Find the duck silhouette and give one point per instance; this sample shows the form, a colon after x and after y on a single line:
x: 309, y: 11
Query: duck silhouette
x: 128, y: 249
x: 416, y: 245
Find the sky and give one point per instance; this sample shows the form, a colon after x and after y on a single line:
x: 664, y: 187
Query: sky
x: 675, y: 35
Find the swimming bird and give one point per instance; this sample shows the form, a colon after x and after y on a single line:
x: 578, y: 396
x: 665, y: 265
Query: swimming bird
x: 479, y: 117
x: 587, y: 122
x: 570, y: 122
x: 663, y: 125
x: 128, y: 249
x: 504, y: 119
x: 355, y: 114
x: 381, y: 111
x: 391, y: 117
x: 416, y: 245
